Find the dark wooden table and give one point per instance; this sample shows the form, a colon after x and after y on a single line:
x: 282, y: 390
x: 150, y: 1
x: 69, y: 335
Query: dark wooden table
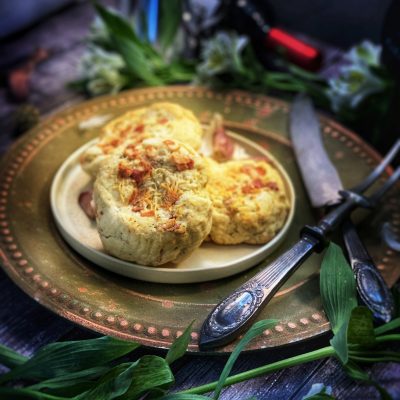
x: 25, y: 325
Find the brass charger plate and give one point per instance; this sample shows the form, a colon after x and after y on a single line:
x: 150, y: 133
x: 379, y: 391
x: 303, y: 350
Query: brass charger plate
x: 38, y: 260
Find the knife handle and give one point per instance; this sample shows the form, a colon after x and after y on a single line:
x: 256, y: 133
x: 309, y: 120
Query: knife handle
x: 232, y: 315
x: 371, y: 287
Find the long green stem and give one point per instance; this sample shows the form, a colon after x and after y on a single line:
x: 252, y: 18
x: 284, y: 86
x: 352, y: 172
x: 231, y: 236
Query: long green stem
x: 375, y: 359
x: 266, y: 369
x: 388, y: 338
x: 394, y: 324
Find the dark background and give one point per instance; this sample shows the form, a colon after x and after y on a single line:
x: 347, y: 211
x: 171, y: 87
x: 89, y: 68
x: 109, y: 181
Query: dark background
x: 339, y: 23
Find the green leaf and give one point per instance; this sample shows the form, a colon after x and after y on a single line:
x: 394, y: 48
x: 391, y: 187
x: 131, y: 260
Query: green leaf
x: 118, y: 27
x: 184, y: 396
x: 256, y: 330
x: 338, y: 293
x: 57, y: 359
x: 115, y: 385
x: 8, y: 393
x: 151, y: 373
x: 116, y: 24
x: 338, y: 289
x: 169, y: 21
x: 178, y: 348
x: 72, y: 383
x: 135, y: 60
x: 389, y: 326
x: 11, y: 358
x: 355, y: 372
x: 339, y: 343
x: 361, y: 328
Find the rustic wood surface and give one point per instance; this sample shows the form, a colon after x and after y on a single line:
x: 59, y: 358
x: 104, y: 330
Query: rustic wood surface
x: 25, y: 325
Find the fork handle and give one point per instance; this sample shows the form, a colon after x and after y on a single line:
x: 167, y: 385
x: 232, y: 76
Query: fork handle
x: 371, y: 287
x: 233, y: 314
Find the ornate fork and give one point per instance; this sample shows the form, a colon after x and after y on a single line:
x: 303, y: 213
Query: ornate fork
x: 231, y: 316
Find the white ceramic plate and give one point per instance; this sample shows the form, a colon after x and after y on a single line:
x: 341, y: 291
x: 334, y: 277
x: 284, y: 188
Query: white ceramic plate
x: 210, y: 261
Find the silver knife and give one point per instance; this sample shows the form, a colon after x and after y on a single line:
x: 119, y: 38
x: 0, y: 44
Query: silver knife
x: 323, y: 185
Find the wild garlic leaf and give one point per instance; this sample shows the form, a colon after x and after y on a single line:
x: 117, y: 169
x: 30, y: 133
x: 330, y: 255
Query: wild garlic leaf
x: 57, y: 359
x: 9, y: 393
x: 169, y: 21
x: 11, y: 358
x: 355, y: 372
x: 256, y: 330
x: 151, y: 373
x: 72, y: 383
x: 338, y: 293
x: 338, y: 289
x: 117, y: 26
x: 184, y: 396
x: 339, y: 343
x: 361, y: 328
x: 178, y: 348
x: 115, y: 385
x: 136, y: 61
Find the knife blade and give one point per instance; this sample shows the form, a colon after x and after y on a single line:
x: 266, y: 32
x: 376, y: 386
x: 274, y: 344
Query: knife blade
x: 319, y: 175
x: 323, y: 184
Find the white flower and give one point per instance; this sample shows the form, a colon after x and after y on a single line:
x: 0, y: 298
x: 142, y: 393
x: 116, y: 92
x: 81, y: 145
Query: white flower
x: 102, y: 70
x: 366, y: 52
x: 222, y: 54
x: 357, y: 80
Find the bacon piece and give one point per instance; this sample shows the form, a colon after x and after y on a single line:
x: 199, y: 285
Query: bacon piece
x: 139, y: 128
x: 138, y: 175
x: 173, y: 226
x: 85, y: 201
x: 147, y: 213
x: 223, y: 146
x: 273, y: 186
x: 256, y: 184
x: 182, y: 161
x: 124, y: 171
x: 171, y: 144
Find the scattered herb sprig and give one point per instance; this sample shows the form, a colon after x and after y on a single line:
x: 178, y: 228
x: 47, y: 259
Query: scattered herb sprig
x: 98, y: 369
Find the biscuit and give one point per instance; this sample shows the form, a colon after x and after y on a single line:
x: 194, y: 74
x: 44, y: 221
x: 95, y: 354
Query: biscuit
x: 161, y: 120
x: 250, y: 204
x: 152, y: 206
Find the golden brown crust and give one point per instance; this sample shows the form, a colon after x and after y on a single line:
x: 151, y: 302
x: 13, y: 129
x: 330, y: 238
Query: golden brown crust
x: 250, y: 204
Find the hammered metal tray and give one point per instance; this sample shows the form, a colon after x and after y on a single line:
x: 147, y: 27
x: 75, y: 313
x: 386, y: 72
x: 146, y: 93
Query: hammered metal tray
x: 38, y: 260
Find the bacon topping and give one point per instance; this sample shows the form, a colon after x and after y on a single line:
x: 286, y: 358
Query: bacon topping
x: 223, y: 146
x: 172, y: 145
x: 134, y: 173
x: 257, y: 184
x: 147, y: 213
x: 85, y: 200
x: 173, y: 226
x: 182, y: 161
x: 139, y: 128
